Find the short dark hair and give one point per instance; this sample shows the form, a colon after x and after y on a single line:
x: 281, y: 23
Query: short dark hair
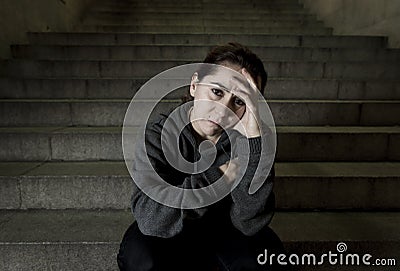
x: 236, y: 54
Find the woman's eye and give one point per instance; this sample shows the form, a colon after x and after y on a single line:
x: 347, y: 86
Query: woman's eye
x: 217, y: 92
x: 239, y: 102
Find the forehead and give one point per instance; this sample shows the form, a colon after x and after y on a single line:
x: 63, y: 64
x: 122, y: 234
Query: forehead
x: 222, y: 76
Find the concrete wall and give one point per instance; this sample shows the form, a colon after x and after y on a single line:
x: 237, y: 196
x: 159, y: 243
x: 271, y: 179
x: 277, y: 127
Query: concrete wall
x: 20, y: 16
x: 360, y: 17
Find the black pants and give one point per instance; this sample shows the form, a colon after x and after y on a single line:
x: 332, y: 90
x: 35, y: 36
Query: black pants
x: 197, y: 248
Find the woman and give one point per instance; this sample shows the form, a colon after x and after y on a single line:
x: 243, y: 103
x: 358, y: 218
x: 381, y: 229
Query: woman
x: 221, y: 107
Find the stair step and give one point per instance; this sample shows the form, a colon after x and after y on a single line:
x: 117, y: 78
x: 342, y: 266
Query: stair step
x: 215, y: 1
x: 234, y: 2
x: 238, y: 13
x: 182, y: 29
x: 215, y: 15
x: 112, y: 112
x: 213, y: 9
x: 81, y: 38
x: 210, y: 5
x: 216, y: 7
x: 201, y: 4
x: 107, y: 185
x: 289, y: 69
x: 66, y: 240
x: 200, y: 23
x: 207, y: 1
x: 196, y: 52
x: 89, y: 240
x: 295, y: 143
x: 212, y: 1
x: 245, y: 9
x: 322, y: 89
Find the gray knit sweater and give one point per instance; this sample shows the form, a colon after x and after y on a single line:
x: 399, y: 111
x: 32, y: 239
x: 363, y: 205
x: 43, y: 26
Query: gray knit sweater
x: 248, y: 212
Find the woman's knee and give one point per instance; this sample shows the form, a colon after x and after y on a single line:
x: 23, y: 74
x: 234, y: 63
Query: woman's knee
x: 142, y: 252
x: 136, y: 252
x: 240, y: 252
x: 270, y: 240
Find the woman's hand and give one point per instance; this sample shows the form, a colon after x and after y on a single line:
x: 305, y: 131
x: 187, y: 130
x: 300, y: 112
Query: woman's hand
x: 248, y: 92
x: 231, y: 174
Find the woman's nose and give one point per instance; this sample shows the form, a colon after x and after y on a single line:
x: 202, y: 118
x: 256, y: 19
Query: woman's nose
x: 224, y: 108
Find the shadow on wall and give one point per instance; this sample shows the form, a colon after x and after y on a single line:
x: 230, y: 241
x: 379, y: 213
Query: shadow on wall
x: 360, y: 17
x: 19, y: 17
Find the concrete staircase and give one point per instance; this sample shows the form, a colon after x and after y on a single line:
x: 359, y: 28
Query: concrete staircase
x: 64, y: 188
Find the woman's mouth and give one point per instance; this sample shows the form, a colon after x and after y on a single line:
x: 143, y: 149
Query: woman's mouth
x: 213, y: 122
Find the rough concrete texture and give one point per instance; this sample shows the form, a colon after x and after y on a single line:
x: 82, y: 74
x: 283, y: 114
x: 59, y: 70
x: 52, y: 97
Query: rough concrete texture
x: 67, y: 190
x: 196, y: 53
x: 88, y: 240
x: 112, y: 112
x: 149, y: 68
x: 277, y: 88
x: 107, y: 185
x: 360, y: 17
x: 19, y: 17
x: 104, y: 143
x: 209, y: 39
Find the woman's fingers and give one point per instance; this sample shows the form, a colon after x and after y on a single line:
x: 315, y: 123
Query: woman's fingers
x: 242, y: 91
x: 250, y: 80
x: 231, y: 172
x: 240, y: 126
x: 243, y: 87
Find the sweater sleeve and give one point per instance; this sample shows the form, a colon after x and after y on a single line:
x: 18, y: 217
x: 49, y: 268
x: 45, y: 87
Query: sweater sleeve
x: 153, y: 218
x: 250, y: 212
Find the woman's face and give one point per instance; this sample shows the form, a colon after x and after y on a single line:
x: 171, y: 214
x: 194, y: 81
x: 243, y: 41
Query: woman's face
x: 215, y: 108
